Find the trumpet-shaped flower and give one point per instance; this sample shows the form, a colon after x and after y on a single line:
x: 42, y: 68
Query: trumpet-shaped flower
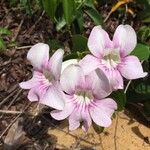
x: 84, y: 96
x: 113, y: 56
x: 44, y: 85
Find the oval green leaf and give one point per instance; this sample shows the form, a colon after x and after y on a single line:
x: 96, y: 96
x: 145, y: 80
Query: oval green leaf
x: 142, y: 51
x: 79, y: 43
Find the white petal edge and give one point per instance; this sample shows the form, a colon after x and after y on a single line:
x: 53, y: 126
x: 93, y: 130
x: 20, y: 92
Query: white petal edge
x: 38, y: 55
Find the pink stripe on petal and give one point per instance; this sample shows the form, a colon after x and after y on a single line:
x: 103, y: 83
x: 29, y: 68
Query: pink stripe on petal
x: 53, y: 98
x: 115, y: 78
x: 131, y: 68
x: 98, y: 41
x: 74, y: 119
x: 86, y: 119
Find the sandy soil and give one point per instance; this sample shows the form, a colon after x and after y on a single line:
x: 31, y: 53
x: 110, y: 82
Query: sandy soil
x: 127, y: 134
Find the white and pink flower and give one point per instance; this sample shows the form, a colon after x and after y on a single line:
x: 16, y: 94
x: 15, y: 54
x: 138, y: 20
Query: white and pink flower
x: 44, y: 85
x: 84, y: 96
x: 113, y: 56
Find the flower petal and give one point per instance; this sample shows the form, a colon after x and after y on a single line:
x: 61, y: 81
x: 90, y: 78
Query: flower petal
x: 100, y: 117
x: 33, y: 96
x: 107, y: 105
x: 89, y: 63
x: 74, y: 119
x: 28, y: 84
x: 98, y: 41
x: 100, y: 83
x: 125, y: 39
x: 62, y: 114
x: 115, y: 78
x: 66, y: 63
x: 33, y: 82
x: 71, y: 78
x: 55, y: 63
x: 131, y: 68
x: 38, y: 55
x: 86, y: 119
x: 37, y: 93
x: 53, y: 98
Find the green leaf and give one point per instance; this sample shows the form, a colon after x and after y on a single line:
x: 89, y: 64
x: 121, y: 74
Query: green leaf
x: 139, y: 90
x: 2, y: 44
x: 146, y: 20
x: 68, y: 8
x: 79, y: 43
x: 80, y: 20
x: 89, y: 3
x: 143, y: 87
x: 27, y: 6
x: 71, y: 56
x: 76, y: 55
x: 4, y: 31
x: 134, y: 97
x: 120, y: 99
x: 94, y: 15
x: 55, y: 44
x: 50, y: 7
x: 141, y: 51
x: 145, y: 15
x: 144, y: 33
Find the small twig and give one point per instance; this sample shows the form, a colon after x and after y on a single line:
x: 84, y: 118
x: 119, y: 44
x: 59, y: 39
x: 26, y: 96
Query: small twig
x: 125, y: 91
x: 14, y: 121
x: 107, y: 16
x: 125, y: 15
x: 12, y: 89
x: 16, y: 96
x: 7, y: 98
x: 18, y: 30
x: 115, y: 135
x: 10, y: 112
x: 23, y: 47
x: 116, y: 6
x: 32, y: 28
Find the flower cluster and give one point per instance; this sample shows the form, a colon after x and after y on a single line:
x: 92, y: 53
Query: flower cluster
x: 78, y: 89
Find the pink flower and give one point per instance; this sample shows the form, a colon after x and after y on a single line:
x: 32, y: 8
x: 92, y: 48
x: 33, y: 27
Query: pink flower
x: 84, y: 98
x: 113, y: 56
x: 44, y: 85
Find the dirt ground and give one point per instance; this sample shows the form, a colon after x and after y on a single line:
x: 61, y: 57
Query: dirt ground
x: 124, y: 134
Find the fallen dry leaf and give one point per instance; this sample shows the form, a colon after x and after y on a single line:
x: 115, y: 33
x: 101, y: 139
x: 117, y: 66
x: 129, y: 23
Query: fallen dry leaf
x: 15, y: 136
